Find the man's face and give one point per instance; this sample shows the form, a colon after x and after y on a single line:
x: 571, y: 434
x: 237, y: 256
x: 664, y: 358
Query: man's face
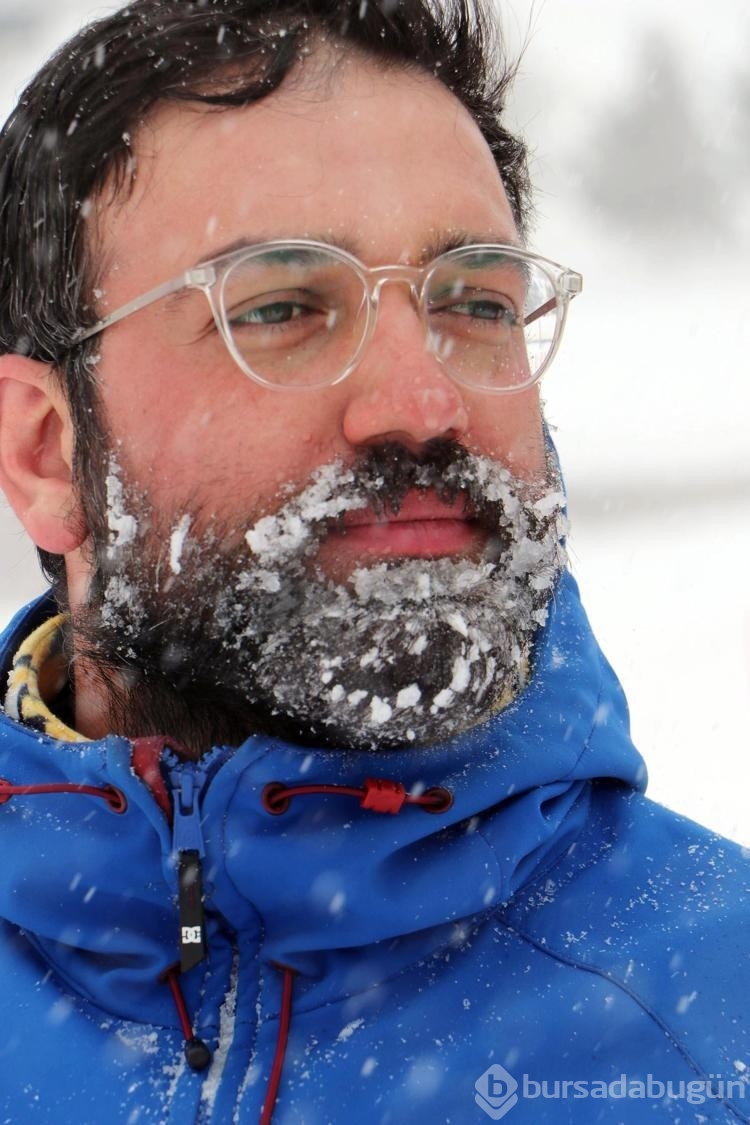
x: 390, y: 166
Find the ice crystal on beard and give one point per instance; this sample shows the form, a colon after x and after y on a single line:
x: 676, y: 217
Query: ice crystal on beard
x: 123, y: 528
x: 177, y: 542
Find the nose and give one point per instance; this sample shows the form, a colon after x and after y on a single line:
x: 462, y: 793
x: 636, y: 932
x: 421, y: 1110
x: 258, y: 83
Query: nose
x: 399, y: 392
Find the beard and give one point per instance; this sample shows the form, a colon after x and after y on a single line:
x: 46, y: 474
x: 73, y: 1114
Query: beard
x: 210, y: 633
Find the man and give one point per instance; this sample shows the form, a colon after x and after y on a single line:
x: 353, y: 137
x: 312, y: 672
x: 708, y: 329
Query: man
x: 318, y: 797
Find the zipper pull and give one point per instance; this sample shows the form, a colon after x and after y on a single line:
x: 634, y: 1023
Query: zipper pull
x: 187, y: 839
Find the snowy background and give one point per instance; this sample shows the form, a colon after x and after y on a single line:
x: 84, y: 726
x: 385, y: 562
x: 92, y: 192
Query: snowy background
x: 639, y: 117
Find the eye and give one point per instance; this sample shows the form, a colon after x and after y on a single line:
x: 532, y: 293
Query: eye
x: 270, y: 313
x: 484, y: 308
x: 474, y: 306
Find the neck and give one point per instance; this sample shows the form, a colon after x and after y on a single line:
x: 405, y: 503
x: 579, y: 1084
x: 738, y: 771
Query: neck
x: 128, y: 702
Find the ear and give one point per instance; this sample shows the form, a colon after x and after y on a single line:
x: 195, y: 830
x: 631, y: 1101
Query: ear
x: 36, y: 450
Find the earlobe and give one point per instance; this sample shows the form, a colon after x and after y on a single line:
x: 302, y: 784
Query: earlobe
x: 36, y: 446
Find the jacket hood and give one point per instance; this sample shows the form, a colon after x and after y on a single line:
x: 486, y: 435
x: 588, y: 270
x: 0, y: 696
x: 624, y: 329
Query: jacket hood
x: 95, y: 888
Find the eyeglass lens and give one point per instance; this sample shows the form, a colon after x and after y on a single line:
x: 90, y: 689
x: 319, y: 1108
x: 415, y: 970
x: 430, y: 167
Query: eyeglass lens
x: 298, y: 316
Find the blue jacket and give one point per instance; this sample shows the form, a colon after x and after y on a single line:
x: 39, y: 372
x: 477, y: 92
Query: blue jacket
x: 551, y: 946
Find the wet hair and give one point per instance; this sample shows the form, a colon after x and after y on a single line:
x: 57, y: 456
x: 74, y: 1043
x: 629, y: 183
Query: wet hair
x: 70, y: 139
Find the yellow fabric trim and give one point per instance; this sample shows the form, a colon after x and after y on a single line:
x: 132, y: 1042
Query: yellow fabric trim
x: 38, y: 675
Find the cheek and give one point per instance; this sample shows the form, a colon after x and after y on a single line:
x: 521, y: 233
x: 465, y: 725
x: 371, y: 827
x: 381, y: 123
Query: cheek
x: 190, y: 436
x: 509, y: 429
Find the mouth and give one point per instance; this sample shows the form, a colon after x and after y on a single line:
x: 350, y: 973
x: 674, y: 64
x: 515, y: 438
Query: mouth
x: 425, y: 526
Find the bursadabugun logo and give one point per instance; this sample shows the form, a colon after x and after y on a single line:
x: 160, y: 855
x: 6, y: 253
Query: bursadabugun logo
x: 496, y: 1091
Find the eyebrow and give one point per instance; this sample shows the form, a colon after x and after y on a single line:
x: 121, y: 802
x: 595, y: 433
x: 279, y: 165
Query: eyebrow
x: 441, y: 243
x: 455, y: 240
x: 343, y: 242
x: 246, y: 243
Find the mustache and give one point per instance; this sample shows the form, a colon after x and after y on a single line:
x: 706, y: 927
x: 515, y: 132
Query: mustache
x: 381, y: 478
x: 386, y: 473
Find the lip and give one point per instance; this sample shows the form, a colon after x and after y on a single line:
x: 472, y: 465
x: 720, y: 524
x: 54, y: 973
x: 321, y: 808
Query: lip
x: 416, y: 507
x: 425, y: 526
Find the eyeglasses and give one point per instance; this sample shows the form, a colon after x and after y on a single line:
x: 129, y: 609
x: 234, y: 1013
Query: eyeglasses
x: 299, y: 314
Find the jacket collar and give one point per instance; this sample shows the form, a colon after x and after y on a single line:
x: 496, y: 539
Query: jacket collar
x: 95, y: 888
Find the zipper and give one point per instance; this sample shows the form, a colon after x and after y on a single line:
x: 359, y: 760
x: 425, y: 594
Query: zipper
x: 187, y: 780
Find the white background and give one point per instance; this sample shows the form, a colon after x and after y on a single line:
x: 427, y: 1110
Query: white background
x: 639, y: 117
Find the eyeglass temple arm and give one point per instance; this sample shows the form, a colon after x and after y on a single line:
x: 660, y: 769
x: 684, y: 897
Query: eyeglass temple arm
x: 571, y: 284
x: 198, y: 277
x: 548, y: 306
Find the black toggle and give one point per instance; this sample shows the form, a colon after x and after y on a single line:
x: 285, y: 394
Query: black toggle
x: 197, y: 1054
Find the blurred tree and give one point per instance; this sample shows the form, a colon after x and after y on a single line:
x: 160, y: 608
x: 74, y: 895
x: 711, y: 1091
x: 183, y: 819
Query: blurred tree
x: 650, y: 163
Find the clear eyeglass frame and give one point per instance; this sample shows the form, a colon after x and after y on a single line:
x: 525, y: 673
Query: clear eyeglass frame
x: 210, y: 277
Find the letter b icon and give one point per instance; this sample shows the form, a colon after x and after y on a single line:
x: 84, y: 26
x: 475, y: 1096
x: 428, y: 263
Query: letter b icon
x: 496, y: 1091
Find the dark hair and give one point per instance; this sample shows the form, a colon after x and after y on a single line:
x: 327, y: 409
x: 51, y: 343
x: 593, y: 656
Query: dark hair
x: 72, y: 131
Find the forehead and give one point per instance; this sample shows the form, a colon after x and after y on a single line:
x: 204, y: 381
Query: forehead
x: 385, y: 160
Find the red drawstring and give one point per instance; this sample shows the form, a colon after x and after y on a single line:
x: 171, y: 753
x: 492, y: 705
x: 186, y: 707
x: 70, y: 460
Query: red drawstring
x: 198, y: 1055
x: 196, y: 1052
x: 378, y: 794
x: 115, y: 798
x: 285, y: 1018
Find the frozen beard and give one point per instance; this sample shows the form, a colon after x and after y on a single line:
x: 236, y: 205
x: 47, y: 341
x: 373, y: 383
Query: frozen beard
x: 223, y: 643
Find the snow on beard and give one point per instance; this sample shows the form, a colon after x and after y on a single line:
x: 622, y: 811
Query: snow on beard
x: 405, y: 651
x: 410, y: 650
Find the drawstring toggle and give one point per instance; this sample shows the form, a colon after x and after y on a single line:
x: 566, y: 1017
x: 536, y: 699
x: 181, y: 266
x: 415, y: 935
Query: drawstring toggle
x: 382, y: 795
